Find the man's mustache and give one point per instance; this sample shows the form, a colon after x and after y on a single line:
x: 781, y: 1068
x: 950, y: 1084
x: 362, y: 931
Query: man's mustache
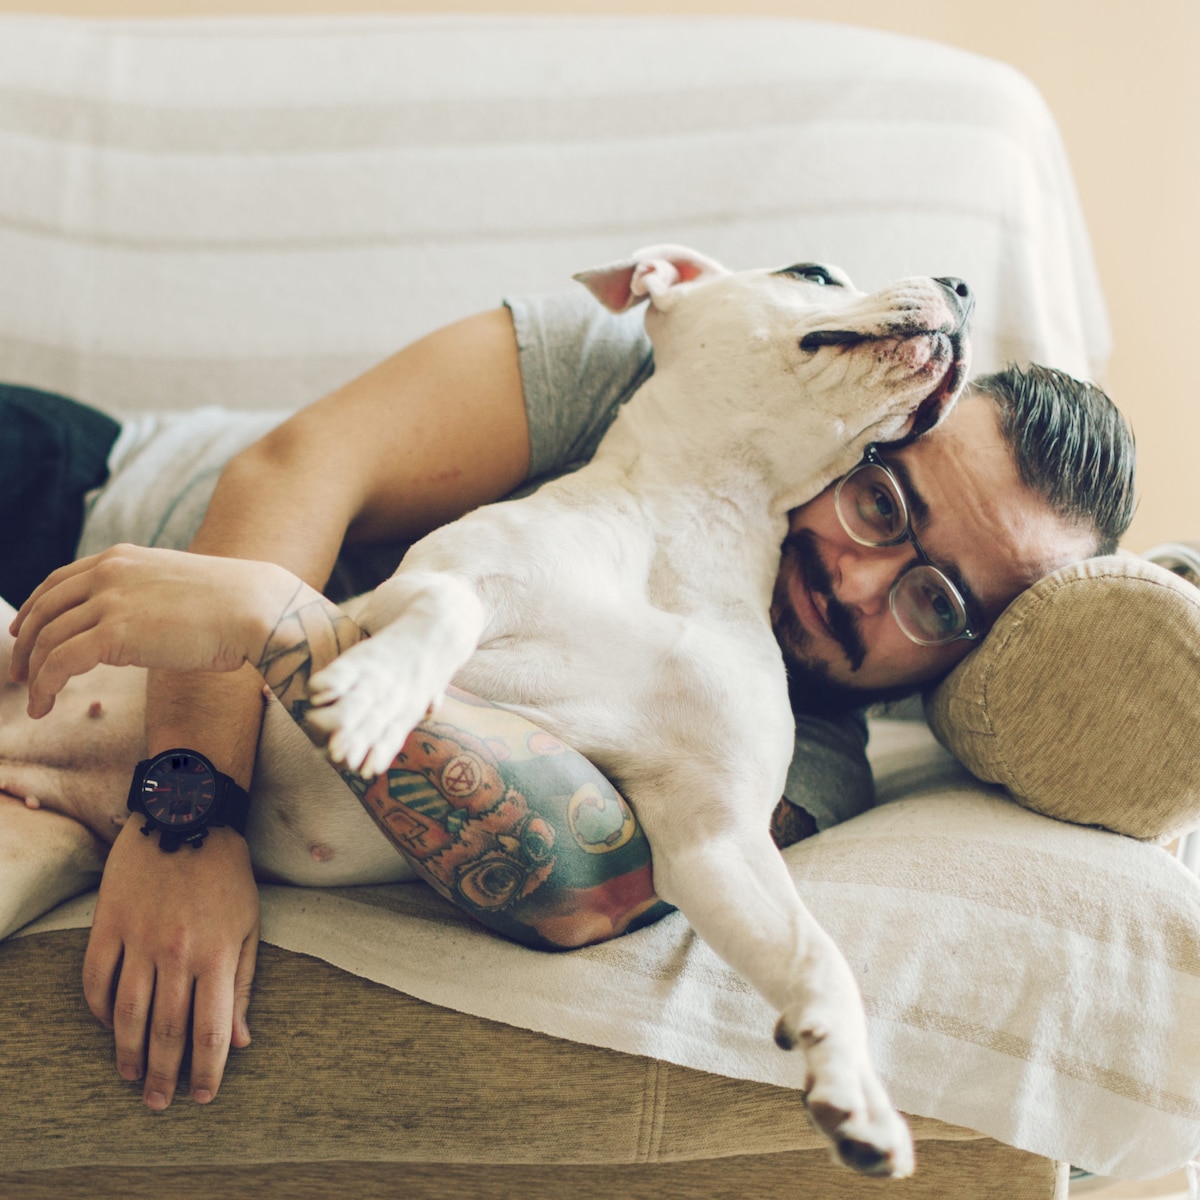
x: 816, y: 577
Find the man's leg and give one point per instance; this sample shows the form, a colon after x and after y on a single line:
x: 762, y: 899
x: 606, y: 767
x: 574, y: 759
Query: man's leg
x: 53, y: 451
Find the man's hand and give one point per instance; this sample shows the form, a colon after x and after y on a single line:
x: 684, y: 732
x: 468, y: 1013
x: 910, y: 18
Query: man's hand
x: 173, y: 948
x: 130, y: 606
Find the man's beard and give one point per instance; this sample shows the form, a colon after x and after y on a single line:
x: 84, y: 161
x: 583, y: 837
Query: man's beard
x: 813, y: 692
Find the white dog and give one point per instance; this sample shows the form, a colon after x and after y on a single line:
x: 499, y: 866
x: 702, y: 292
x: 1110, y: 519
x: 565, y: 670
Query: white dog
x: 625, y: 608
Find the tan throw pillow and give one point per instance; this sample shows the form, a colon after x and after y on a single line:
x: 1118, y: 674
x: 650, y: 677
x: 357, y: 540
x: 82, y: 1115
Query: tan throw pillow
x: 1084, y: 699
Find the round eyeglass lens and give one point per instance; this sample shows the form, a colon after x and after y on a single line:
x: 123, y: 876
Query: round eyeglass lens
x: 927, y: 607
x: 870, y: 508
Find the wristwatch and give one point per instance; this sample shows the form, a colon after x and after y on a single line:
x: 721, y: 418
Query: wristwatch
x: 183, y: 794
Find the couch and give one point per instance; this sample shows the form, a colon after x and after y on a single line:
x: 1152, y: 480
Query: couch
x: 246, y: 213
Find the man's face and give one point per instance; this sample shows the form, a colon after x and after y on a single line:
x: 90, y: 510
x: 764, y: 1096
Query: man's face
x: 977, y: 521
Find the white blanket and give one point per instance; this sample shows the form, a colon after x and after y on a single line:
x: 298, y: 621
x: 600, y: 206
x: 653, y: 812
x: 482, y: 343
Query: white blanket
x: 1047, y: 997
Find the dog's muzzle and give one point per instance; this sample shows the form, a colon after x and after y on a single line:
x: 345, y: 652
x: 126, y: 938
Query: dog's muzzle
x: 962, y: 305
x: 959, y: 297
x: 961, y: 302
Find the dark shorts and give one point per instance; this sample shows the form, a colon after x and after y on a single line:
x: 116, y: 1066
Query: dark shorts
x: 53, y: 451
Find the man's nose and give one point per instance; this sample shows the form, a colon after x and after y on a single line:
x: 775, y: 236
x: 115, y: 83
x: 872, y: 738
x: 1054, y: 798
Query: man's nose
x: 866, y: 574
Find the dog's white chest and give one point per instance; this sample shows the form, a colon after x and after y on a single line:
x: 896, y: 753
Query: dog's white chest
x: 625, y: 642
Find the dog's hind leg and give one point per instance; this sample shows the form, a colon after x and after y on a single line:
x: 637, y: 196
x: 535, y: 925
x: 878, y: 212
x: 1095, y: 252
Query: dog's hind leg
x: 738, y: 896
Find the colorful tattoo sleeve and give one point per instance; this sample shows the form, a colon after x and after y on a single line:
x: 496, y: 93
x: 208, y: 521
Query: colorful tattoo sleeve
x: 516, y: 828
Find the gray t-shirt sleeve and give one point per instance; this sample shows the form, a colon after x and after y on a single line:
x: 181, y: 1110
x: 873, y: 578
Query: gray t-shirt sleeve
x: 579, y: 364
x: 829, y: 776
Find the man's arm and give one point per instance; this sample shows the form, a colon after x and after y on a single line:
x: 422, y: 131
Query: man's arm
x: 541, y: 848
x: 423, y: 437
x: 434, y: 431
x: 521, y: 831
x: 495, y: 813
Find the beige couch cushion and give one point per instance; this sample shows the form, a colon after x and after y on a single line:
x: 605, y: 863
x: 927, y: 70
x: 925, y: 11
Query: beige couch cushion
x: 353, y: 1090
x: 1084, y: 701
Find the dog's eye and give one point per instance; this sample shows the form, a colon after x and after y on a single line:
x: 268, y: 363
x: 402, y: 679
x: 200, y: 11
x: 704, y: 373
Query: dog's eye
x: 810, y: 273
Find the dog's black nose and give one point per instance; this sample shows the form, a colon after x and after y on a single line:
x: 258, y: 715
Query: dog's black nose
x: 962, y: 299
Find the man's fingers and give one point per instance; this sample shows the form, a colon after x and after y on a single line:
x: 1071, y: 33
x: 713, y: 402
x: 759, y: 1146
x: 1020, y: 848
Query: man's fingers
x: 48, y: 584
x: 70, y: 645
x: 241, y: 990
x: 131, y: 1010
x: 195, y: 945
x: 47, y: 604
x: 212, y: 1020
x: 168, y: 1036
x: 100, y: 965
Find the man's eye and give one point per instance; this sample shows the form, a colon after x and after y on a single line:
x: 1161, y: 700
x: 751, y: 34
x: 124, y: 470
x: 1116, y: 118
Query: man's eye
x: 880, y: 512
x: 943, y: 609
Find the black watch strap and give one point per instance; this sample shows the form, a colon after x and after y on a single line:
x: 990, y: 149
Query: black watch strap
x: 236, y: 809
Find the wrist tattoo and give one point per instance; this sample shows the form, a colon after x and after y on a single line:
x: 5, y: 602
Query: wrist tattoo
x: 309, y: 634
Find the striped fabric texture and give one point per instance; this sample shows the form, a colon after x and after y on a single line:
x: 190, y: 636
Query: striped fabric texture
x: 424, y: 1103
x: 249, y: 212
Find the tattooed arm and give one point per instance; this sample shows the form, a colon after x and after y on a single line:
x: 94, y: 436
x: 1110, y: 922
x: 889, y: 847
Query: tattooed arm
x: 519, y: 830
x: 308, y: 634
x: 496, y: 814
x: 493, y: 812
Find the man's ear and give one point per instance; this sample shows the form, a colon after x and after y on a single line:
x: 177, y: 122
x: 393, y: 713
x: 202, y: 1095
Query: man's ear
x: 655, y: 272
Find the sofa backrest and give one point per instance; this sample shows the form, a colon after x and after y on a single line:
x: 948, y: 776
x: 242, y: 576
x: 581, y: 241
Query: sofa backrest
x: 250, y: 211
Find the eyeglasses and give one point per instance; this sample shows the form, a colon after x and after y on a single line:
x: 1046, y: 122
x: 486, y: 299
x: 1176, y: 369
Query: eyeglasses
x: 871, y: 506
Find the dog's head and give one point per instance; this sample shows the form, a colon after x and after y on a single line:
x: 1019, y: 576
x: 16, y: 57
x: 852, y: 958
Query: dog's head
x: 797, y: 359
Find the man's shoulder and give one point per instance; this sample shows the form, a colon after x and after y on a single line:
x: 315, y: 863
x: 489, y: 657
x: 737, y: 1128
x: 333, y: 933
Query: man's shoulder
x: 579, y: 363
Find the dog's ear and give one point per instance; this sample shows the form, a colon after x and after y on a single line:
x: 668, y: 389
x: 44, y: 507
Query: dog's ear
x: 655, y: 273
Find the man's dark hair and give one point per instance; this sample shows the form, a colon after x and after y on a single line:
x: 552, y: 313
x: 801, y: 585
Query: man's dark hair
x: 1072, y: 446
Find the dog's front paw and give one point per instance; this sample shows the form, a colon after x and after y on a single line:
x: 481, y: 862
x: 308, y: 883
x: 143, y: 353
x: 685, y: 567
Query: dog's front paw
x: 366, y: 705
x: 846, y: 1101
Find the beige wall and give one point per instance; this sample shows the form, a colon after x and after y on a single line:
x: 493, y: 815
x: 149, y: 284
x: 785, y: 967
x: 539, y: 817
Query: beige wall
x: 1123, y: 79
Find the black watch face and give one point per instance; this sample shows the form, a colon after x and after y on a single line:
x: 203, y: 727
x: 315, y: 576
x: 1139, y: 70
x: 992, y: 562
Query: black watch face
x: 179, y: 791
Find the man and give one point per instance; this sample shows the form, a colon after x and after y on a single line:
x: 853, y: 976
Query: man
x: 1017, y: 482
